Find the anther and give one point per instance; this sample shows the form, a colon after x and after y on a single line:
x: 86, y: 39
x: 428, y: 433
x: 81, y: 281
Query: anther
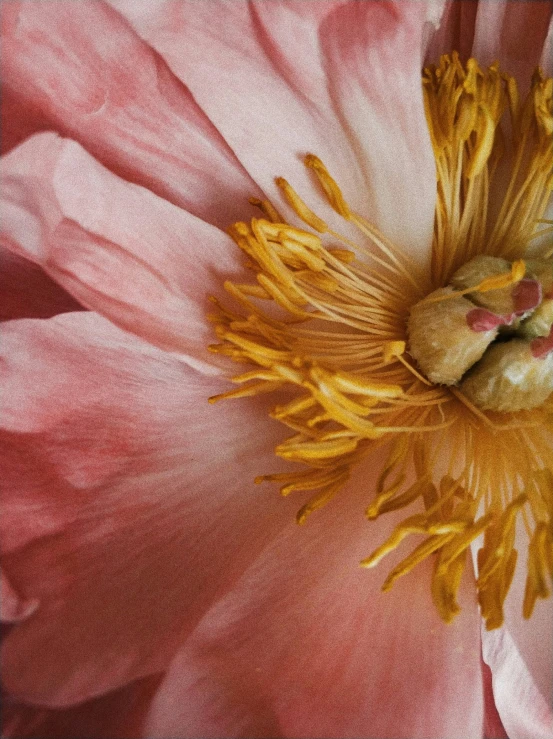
x: 329, y: 185
x: 300, y: 208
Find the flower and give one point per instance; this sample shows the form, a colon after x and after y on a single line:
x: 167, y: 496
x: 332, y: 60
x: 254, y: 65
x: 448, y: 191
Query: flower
x: 340, y: 341
x: 146, y: 574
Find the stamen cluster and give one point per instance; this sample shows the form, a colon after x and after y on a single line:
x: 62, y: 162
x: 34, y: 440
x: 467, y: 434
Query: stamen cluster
x: 325, y: 327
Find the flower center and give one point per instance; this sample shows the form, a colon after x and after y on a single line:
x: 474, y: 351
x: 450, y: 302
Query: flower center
x: 444, y: 373
x: 490, y: 333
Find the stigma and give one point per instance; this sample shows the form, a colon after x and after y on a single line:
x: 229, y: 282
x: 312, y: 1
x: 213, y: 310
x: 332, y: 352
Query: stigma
x: 449, y: 372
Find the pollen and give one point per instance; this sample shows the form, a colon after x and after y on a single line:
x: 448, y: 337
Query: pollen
x: 447, y: 375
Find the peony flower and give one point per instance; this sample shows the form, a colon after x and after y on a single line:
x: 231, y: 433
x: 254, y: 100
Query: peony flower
x: 150, y: 587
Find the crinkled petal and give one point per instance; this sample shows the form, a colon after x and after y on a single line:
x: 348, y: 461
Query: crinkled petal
x: 82, y: 68
x: 116, y: 247
x: 307, y: 646
x: 328, y: 89
x: 129, y: 503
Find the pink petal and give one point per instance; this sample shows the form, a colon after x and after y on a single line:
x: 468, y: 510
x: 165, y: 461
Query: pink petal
x: 129, y: 503
x: 240, y: 64
x: 26, y: 291
x: 12, y: 607
x: 493, y: 728
x: 512, y: 33
x: 18, y: 120
x: 84, y: 71
x: 521, y: 660
x: 279, y: 80
x: 524, y: 710
x: 374, y: 55
x: 306, y: 645
x: 116, y: 247
x: 456, y: 30
x: 117, y: 715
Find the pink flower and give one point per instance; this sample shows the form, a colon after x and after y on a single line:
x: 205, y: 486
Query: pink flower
x: 149, y: 587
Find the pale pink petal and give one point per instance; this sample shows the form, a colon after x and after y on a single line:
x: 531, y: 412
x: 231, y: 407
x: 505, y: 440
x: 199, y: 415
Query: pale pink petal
x: 520, y: 656
x: 117, y: 715
x: 12, y: 607
x: 307, y: 646
x: 86, y: 72
x: 116, y: 247
x: 279, y: 80
x: 237, y: 59
x: 512, y: 33
x: 525, y: 712
x: 374, y: 53
x: 129, y: 503
x: 531, y: 635
x: 26, y: 291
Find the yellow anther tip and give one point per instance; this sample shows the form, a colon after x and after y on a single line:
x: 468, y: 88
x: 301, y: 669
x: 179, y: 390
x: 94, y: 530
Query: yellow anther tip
x: 518, y: 270
x: 368, y: 563
x: 313, y: 162
x: 372, y: 512
x: 393, y: 349
x: 301, y: 516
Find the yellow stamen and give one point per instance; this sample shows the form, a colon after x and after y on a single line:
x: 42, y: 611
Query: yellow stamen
x: 393, y: 350
x: 325, y: 325
x: 268, y: 209
x: 305, y: 213
x: 332, y: 191
x: 496, y: 282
